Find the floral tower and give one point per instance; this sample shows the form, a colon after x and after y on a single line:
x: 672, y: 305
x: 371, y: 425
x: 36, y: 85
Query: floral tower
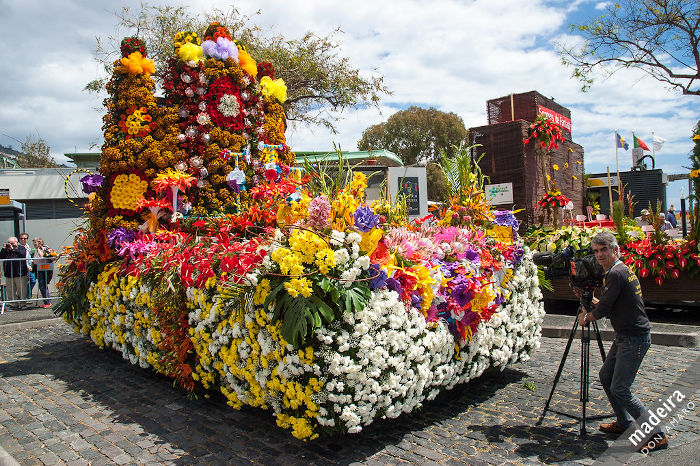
x: 223, y: 136
x: 139, y: 141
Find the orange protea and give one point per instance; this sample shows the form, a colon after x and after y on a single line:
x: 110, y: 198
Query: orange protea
x: 154, y: 203
x: 173, y: 179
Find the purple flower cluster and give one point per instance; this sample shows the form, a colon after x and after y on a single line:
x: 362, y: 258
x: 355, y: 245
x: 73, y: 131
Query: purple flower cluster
x: 518, y: 254
x: 221, y: 49
x: 506, y: 218
x: 365, y: 219
x: 92, y: 183
x: 378, y: 277
x: 120, y: 235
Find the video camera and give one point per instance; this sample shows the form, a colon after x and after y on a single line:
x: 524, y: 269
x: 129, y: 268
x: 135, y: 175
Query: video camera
x: 581, y: 266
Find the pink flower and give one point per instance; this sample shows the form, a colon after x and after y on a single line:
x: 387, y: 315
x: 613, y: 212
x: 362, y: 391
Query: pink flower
x: 319, y: 212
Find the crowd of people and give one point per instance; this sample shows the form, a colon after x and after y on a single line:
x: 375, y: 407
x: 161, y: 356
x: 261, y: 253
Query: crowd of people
x: 669, y: 221
x: 24, y: 267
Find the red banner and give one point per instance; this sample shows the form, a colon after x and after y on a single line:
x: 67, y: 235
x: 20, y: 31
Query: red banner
x: 557, y: 119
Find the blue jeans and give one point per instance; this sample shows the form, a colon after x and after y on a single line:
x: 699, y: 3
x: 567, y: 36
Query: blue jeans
x: 618, y: 373
x: 45, y: 277
x: 30, y: 283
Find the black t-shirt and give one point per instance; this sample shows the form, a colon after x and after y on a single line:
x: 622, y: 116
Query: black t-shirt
x: 622, y: 302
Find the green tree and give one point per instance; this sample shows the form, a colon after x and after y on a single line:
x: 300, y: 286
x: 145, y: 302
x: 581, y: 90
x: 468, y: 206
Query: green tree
x: 319, y: 81
x: 36, y: 154
x: 659, y: 37
x: 415, y: 134
x: 438, y: 190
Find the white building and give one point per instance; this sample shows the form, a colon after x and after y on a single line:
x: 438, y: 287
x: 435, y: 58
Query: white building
x: 37, y: 204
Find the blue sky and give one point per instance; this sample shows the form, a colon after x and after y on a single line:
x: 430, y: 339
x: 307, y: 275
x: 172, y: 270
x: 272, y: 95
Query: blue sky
x: 449, y: 54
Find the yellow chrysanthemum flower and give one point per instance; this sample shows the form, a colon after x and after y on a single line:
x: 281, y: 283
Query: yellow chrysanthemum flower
x: 190, y: 52
x: 274, y: 87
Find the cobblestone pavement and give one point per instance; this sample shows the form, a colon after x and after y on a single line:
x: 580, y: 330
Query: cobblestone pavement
x: 62, y: 399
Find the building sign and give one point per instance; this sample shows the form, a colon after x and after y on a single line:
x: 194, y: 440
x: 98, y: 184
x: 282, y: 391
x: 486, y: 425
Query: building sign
x: 500, y: 193
x: 408, y: 187
x: 601, y: 181
x: 557, y: 119
x: 411, y: 184
x: 4, y: 196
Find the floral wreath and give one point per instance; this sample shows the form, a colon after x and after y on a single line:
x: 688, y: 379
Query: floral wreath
x: 225, y: 105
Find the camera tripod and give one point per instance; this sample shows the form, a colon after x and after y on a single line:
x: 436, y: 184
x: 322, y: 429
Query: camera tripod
x: 585, y: 364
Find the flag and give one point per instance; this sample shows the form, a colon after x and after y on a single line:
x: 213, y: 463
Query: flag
x: 639, y: 143
x: 621, y: 141
x: 657, y: 142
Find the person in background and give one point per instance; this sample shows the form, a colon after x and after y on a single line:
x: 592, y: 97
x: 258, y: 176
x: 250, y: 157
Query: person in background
x: 665, y: 224
x: 644, y: 218
x: 671, y: 217
x: 31, y: 274
x: 44, y: 258
x: 15, y: 271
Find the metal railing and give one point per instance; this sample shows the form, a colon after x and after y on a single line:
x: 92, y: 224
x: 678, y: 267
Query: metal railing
x: 29, y: 285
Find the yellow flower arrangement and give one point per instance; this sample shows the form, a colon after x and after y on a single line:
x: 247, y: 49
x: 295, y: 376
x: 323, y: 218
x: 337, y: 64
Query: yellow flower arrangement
x: 370, y: 240
x: 294, y: 211
x: 325, y: 260
x: 127, y: 191
x: 502, y: 234
x: 299, y: 286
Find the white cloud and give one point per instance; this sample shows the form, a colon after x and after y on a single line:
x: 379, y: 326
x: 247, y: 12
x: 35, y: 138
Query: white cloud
x: 449, y: 54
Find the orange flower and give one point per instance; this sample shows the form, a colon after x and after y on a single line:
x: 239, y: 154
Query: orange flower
x: 135, y: 63
x: 171, y: 178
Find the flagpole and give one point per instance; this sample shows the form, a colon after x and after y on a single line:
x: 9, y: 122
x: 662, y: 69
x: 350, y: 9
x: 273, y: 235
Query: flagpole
x: 617, y: 170
x: 616, y: 164
x: 653, y: 152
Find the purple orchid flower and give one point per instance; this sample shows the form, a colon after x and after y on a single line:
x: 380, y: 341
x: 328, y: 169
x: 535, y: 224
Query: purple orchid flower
x: 365, y: 219
x: 92, y: 183
x: 379, y: 277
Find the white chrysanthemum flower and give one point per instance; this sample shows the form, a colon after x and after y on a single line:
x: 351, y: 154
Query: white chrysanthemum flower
x: 229, y: 106
x: 337, y: 238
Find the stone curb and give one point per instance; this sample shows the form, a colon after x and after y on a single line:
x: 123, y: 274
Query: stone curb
x: 6, y: 459
x: 13, y: 327
x: 687, y: 336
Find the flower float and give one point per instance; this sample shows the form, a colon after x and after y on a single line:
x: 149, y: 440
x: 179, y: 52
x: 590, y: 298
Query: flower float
x: 309, y: 302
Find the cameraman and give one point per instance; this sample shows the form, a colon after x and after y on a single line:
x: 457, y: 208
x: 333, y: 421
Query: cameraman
x: 621, y: 302
x: 15, y: 270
